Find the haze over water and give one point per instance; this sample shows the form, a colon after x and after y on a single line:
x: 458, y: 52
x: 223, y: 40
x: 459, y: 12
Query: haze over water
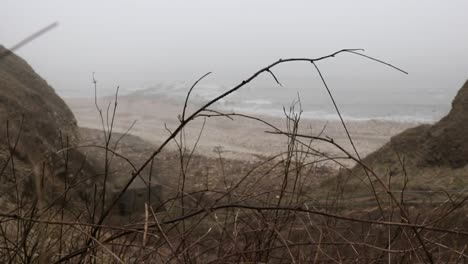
x: 314, y: 101
x: 150, y: 44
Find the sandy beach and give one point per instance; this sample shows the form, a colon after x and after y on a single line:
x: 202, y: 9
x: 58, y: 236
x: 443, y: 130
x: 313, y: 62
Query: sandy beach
x: 239, y: 138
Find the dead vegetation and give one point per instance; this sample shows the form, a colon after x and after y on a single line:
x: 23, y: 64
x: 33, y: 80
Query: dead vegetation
x: 216, y: 210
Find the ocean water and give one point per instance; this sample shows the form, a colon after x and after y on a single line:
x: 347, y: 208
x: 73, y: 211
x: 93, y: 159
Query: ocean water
x: 404, y: 106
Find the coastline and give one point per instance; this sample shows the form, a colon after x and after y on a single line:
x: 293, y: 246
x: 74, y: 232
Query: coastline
x: 240, y: 139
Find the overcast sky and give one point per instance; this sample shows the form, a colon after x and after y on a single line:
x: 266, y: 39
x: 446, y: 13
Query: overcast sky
x: 138, y: 43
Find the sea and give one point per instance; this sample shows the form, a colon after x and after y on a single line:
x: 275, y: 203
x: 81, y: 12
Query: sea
x: 275, y: 100
x: 401, y: 106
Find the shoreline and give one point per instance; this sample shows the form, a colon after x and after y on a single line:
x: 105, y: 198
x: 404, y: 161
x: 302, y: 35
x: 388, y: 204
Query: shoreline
x: 240, y: 139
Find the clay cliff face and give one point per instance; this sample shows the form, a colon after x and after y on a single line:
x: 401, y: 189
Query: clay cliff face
x: 32, y: 115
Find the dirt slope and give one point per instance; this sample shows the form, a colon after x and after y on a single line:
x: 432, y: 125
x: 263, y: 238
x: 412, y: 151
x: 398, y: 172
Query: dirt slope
x: 447, y: 141
x: 432, y: 156
x: 32, y: 115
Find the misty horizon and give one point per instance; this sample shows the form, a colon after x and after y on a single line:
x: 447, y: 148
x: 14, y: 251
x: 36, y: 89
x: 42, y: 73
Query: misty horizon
x: 139, y: 46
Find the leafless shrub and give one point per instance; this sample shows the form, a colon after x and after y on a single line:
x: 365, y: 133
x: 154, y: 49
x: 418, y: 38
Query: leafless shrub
x: 267, y: 213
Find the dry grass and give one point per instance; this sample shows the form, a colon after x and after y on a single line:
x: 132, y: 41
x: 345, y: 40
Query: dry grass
x: 270, y: 210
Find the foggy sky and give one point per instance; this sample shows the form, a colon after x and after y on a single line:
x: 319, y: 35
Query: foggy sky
x: 138, y: 43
